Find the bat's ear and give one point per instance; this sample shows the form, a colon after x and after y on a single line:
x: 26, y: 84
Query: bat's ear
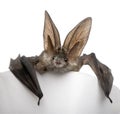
x: 77, y: 38
x: 50, y: 50
x: 50, y: 34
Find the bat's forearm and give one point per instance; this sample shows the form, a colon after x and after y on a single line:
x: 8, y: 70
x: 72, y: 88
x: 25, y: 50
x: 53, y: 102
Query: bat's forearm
x: 94, y: 63
x: 90, y: 60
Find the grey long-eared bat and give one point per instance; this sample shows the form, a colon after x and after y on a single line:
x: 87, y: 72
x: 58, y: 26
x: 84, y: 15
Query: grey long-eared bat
x: 59, y: 58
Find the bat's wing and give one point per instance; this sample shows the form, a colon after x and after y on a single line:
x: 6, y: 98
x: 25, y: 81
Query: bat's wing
x: 51, y: 35
x: 102, y: 72
x: 77, y: 38
x: 24, y: 71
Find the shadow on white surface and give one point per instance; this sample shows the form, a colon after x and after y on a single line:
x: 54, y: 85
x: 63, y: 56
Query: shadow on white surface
x: 70, y: 93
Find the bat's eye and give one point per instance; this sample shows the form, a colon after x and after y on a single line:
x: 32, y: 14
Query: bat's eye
x: 65, y: 59
x: 53, y: 57
x: 59, y: 49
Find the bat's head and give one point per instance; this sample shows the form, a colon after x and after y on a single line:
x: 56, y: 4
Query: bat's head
x: 60, y: 60
x: 72, y: 46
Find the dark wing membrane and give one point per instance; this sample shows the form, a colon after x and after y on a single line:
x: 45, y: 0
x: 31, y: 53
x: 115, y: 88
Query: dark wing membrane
x: 106, y: 80
x: 50, y: 31
x: 102, y: 72
x: 24, y: 71
x: 77, y: 36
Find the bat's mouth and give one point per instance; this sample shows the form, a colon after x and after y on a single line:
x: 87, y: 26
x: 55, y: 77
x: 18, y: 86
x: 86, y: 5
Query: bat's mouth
x: 59, y: 64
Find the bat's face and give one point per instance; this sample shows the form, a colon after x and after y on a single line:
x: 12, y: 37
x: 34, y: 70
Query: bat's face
x: 59, y: 60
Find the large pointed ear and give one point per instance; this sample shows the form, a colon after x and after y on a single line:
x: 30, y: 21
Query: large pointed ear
x: 77, y: 38
x: 51, y: 35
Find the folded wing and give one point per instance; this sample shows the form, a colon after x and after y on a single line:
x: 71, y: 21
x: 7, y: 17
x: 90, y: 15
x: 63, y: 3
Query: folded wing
x: 24, y: 71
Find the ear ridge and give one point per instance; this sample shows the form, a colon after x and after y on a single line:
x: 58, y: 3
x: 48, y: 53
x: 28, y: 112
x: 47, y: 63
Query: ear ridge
x: 80, y: 34
x: 73, y: 53
x: 50, y: 49
x: 51, y: 31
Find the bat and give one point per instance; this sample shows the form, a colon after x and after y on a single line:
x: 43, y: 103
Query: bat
x: 63, y: 58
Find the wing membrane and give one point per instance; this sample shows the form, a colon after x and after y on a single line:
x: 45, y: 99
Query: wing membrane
x: 24, y: 71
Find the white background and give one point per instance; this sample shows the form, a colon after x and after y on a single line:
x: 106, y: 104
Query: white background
x: 21, y: 28
x: 71, y: 93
